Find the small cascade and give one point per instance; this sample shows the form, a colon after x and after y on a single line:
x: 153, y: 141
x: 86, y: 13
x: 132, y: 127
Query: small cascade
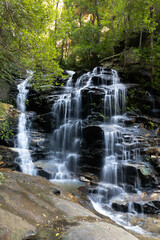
x: 66, y: 136
x: 22, y: 142
x: 122, y: 154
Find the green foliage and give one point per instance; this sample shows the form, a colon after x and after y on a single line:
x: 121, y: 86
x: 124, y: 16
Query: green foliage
x: 41, y: 36
x: 148, y: 158
x: 25, y: 35
x: 5, y: 130
x: 149, y: 125
x: 132, y: 100
x: 44, y: 81
x: 2, y: 110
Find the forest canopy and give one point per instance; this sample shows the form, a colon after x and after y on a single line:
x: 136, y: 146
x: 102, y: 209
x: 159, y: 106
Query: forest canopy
x: 48, y: 35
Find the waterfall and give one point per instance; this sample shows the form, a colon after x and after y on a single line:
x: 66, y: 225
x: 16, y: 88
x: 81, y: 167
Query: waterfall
x: 70, y: 120
x: 66, y: 136
x: 22, y: 143
x: 72, y: 111
x: 95, y: 101
x: 121, y: 152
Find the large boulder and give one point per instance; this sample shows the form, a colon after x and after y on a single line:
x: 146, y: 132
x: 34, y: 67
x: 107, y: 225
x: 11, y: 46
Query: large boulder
x: 41, y: 213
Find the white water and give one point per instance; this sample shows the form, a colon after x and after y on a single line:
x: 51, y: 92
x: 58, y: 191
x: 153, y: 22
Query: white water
x: 69, y: 120
x: 68, y: 112
x: 25, y: 159
x: 121, y: 146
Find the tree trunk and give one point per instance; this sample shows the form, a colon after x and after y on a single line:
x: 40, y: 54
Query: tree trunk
x: 125, y: 41
x: 93, y: 21
x: 98, y: 21
x: 140, y: 39
x: 152, y: 46
x: 62, y: 51
x: 56, y: 22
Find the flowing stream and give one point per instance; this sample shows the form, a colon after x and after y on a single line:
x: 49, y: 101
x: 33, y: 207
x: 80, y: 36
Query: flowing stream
x: 23, y: 136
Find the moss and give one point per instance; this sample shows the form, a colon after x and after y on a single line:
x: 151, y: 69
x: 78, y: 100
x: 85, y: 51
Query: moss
x: 2, y: 110
x: 5, y: 110
x: 1, y: 178
x: 145, y: 171
x: 7, y: 118
x: 137, y: 100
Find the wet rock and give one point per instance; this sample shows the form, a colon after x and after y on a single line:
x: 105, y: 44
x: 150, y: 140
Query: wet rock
x: 92, y: 147
x: 97, y: 81
x: 120, y: 207
x: 155, y: 160
x: 41, y: 101
x: 45, y: 121
x: 92, y: 101
x: 90, y: 176
x: 102, y: 70
x: 137, y: 173
x: 152, y: 207
x: 43, y: 173
x: 77, y: 75
x: 93, y: 135
x: 129, y: 122
x: 129, y: 188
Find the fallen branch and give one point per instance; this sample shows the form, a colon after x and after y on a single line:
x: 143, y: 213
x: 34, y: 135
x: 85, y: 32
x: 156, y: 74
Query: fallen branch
x: 111, y: 57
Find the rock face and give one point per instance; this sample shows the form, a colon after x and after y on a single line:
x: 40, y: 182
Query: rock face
x: 92, y: 101
x: 30, y: 209
x: 92, y: 146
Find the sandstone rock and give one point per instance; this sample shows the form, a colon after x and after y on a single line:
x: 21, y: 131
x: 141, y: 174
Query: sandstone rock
x: 96, y: 231
x: 40, y: 214
x: 152, y: 150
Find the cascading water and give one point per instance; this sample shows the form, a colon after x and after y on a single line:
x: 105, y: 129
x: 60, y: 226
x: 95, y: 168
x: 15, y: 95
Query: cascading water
x: 22, y: 143
x: 70, y: 118
x: 68, y: 113
x: 121, y: 147
x: 66, y: 137
x: 96, y: 99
